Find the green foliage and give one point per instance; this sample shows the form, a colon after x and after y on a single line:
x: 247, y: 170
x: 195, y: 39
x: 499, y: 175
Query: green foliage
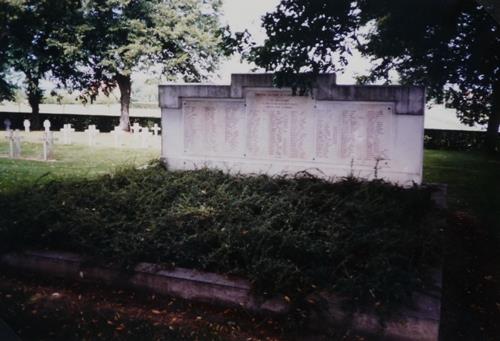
x: 33, y: 27
x: 305, y: 38
x: 455, y: 139
x: 451, y: 47
x: 371, y: 240
x: 94, y: 46
x: 122, y: 36
x: 7, y: 12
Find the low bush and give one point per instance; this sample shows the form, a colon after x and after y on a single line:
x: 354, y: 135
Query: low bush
x: 456, y: 139
x: 371, y: 240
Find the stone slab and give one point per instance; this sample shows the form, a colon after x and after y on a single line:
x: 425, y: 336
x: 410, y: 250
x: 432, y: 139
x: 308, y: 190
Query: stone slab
x: 250, y: 127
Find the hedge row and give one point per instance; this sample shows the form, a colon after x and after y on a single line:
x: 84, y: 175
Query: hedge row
x: 79, y: 122
x: 455, y: 139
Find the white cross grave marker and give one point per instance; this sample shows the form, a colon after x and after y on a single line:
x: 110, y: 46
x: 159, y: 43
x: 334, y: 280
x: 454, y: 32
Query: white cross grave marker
x: 14, y: 143
x: 10, y: 136
x: 155, y: 129
x: 7, y: 123
x: 46, y: 125
x: 67, y: 131
x: 135, y: 128
x: 27, y: 125
x: 117, y: 134
x: 17, y: 143
x: 145, y: 134
x: 48, y: 143
x: 91, y: 134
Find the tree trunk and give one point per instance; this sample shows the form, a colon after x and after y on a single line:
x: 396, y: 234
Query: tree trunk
x: 493, y: 122
x: 34, y: 104
x: 125, y: 85
x: 35, y: 95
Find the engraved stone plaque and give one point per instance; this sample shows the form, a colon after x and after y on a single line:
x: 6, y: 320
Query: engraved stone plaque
x: 279, y: 126
x: 367, y: 132
x: 358, y: 132
x: 214, y: 128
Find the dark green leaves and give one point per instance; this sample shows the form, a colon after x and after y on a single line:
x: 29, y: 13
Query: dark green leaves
x: 371, y: 240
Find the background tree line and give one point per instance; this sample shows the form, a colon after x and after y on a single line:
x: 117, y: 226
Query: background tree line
x: 93, y: 46
x: 450, y: 46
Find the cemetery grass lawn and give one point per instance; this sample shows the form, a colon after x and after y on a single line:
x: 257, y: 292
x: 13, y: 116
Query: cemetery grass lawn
x: 72, y: 162
x: 473, y: 181
x: 471, y: 275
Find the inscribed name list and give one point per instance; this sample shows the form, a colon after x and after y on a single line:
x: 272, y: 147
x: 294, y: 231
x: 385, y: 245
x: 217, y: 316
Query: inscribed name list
x: 279, y: 126
x: 276, y: 125
x: 356, y: 131
x: 214, y: 128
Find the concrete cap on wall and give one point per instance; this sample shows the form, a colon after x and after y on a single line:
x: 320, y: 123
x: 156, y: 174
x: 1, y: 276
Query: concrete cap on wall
x: 409, y: 100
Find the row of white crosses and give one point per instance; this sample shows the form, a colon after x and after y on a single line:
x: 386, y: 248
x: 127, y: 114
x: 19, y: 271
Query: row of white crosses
x: 14, y: 139
x: 136, y: 128
x: 14, y: 143
x: 144, y: 133
x: 67, y: 132
x: 48, y: 139
x: 91, y: 134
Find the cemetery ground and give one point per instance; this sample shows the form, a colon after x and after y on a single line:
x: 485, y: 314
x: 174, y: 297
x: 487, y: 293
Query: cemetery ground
x: 69, y: 161
x: 33, y: 306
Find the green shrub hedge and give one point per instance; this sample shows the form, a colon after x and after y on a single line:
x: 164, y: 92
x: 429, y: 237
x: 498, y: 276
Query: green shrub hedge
x: 371, y: 240
x: 455, y: 139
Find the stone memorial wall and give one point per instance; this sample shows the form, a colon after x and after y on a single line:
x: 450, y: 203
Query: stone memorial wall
x: 338, y: 130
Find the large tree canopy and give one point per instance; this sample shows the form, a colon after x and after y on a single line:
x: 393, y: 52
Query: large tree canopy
x: 450, y: 46
x: 122, y: 36
x: 96, y: 45
x: 7, y: 12
x: 31, y: 36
